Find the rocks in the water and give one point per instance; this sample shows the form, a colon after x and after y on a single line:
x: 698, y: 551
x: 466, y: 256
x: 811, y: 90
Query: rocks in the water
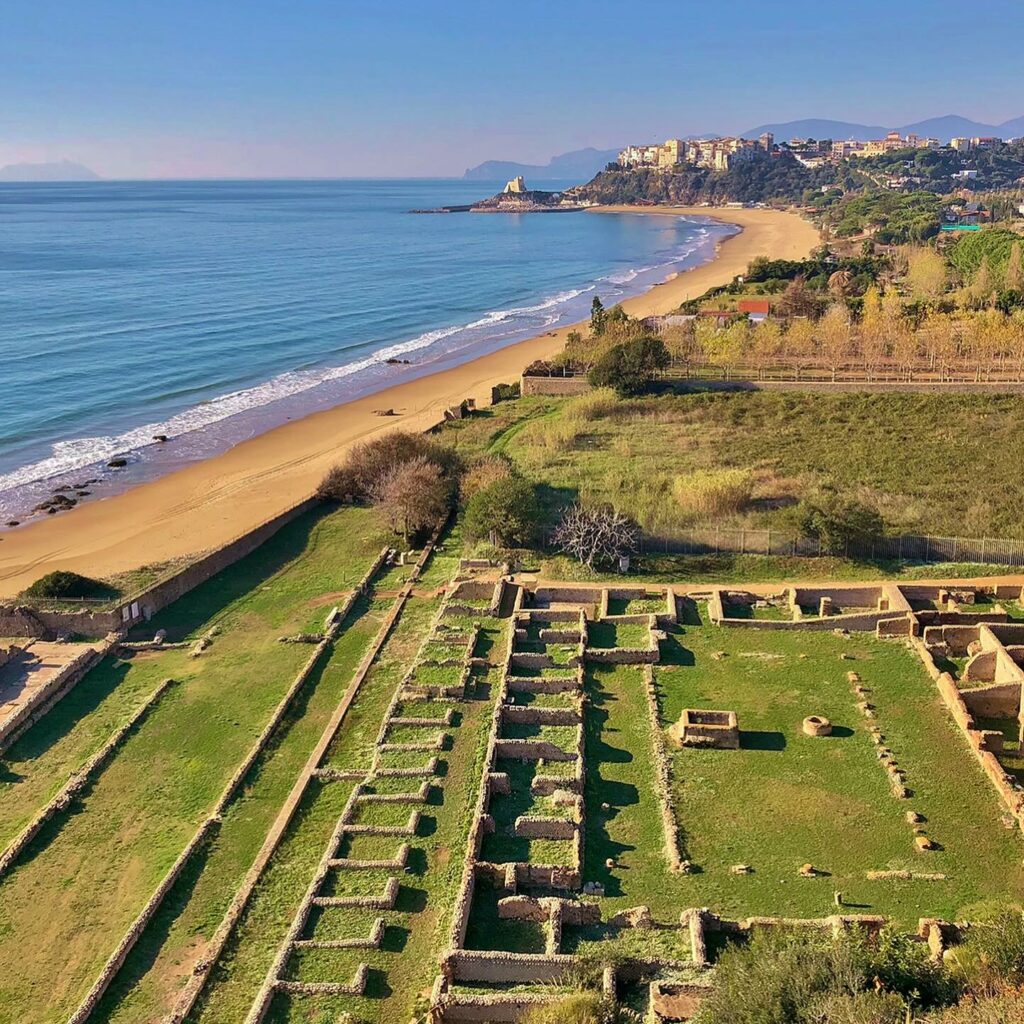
x: 58, y: 503
x: 13, y: 522
x: 118, y: 463
x: 161, y: 438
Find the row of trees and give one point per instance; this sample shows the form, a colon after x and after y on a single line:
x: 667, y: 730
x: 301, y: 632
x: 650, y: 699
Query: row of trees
x: 985, y: 344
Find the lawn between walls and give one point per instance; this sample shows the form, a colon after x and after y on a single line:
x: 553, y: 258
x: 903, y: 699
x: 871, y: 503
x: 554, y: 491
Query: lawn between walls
x: 785, y: 799
x: 148, y: 983
x: 407, y: 960
x: 403, y: 970
x: 238, y: 975
x: 84, y: 878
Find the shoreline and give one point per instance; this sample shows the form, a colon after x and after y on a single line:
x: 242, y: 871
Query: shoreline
x: 207, y: 503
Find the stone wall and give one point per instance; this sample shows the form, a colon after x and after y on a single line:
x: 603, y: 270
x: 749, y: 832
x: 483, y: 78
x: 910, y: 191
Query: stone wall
x: 554, y: 386
x: 57, y: 687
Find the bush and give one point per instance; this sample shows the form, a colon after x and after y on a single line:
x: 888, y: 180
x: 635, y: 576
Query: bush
x: 505, y: 512
x: 993, y: 955
x: 630, y: 367
x: 714, y: 492
x: 367, y: 463
x: 840, y: 523
x: 595, y: 405
x: 68, y: 586
x: 1007, y: 1008
x: 806, y: 977
x: 578, y: 1008
x: 484, y: 472
x: 505, y: 392
x: 413, y: 496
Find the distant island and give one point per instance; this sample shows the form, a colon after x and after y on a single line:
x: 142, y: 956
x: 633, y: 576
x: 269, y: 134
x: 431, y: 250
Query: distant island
x: 58, y: 170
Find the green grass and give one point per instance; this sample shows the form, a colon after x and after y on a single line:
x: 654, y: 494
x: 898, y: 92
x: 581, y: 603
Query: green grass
x: 906, y: 452
x: 89, y: 873
x: 785, y: 799
x: 146, y: 985
x: 617, y: 634
x: 406, y: 963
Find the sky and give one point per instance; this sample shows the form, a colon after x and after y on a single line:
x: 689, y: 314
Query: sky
x: 336, y: 88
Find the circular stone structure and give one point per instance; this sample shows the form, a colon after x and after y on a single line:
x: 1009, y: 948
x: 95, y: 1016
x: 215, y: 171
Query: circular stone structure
x: 816, y: 725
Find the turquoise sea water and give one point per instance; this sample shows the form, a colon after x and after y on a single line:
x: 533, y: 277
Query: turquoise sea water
x: 210, y: 311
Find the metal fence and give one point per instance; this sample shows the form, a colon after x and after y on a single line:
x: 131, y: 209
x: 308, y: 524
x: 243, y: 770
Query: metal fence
x: 906, y: 547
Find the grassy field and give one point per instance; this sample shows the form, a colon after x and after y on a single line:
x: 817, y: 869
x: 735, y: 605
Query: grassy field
x: 785, y: 799
x: 90, y: 871
x: 909, y: 454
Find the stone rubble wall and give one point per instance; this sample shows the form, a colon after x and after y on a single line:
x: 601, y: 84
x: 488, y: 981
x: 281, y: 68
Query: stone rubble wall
x: 662, y: 774
x: 58, y: 686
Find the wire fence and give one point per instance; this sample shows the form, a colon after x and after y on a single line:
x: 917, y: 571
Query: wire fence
x: 905, y: 547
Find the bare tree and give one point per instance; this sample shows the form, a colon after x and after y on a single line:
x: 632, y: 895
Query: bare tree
x: 596, y: 535
x: 412, y: 496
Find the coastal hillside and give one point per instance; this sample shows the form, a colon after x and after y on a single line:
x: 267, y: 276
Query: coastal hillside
x: 760, y: 181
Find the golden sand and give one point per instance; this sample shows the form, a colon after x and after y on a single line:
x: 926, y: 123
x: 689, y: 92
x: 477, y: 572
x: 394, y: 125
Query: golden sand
x: 206, y: 504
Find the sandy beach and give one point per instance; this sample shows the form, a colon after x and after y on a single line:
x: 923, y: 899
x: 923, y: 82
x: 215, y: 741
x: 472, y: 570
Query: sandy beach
x: 207, y: 503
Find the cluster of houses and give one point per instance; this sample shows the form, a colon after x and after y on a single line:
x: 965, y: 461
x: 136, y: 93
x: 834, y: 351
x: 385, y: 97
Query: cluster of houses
x: 717, y: 154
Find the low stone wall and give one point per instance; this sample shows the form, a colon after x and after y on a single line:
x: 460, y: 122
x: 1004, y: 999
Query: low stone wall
x: 531, y: 715
x: 1000, y: 700
x: 560, y: 387
x: 62, y: 683
x: 78, y: 781
x: 533, y: 826
x: 507, y: 968
x: 662, y: 774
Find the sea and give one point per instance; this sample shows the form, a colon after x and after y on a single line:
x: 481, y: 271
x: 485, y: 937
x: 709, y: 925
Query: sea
x: 207, y: 312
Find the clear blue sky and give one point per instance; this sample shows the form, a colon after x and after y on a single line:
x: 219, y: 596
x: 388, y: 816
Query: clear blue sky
x: 157, y: 88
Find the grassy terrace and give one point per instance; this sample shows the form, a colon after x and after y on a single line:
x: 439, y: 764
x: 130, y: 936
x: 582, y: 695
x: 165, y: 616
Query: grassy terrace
x: 785, y: 799
x: 89, y: 873
x: 405, y: 964
x: 159, y: 965
x: 907, y: 452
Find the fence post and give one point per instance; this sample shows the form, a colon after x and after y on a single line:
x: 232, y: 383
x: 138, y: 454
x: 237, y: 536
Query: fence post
x: 984, y: 545
x: 927, y: 548
x: 769, y: 542
x: 900, y: 556
x: 743, y: 541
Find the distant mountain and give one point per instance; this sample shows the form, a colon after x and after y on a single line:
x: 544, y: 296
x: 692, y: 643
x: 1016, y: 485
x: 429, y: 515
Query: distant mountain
x: 949, y: 127
x: 817, y: 128
x: 941, y: 128
x: 1012, y: 129
x: 61, y: 170
x: 581, y: 165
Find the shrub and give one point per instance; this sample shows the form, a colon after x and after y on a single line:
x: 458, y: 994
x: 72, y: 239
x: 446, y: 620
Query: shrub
x: 714, y: 492
x: 413, y: 496
x: 367, y: 463
x: 630, y: 367
x: 484, y: 472
x: 840, y: 522
x: 596, y: 536
x: 993, y: 955
x: 813, y: 978
x: 505, y: 392
x: 505, y: 512
x: 67, y: 586
x: 1007, y: 1008
x: 578, y: 1008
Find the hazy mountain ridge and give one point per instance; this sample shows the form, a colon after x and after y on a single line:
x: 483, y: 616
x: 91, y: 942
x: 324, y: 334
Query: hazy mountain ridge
x: 59, y: 170
x: 580, y: 163
x: 942, y: 128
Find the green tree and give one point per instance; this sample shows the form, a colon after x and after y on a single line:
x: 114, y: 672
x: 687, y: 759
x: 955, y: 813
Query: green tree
x: 598, y: 317
x: 840, y: 522
x: 630, y: 367
x: 505, y: 512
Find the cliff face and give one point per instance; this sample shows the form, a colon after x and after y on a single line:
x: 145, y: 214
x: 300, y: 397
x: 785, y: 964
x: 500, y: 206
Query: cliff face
x: 758, y: 181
